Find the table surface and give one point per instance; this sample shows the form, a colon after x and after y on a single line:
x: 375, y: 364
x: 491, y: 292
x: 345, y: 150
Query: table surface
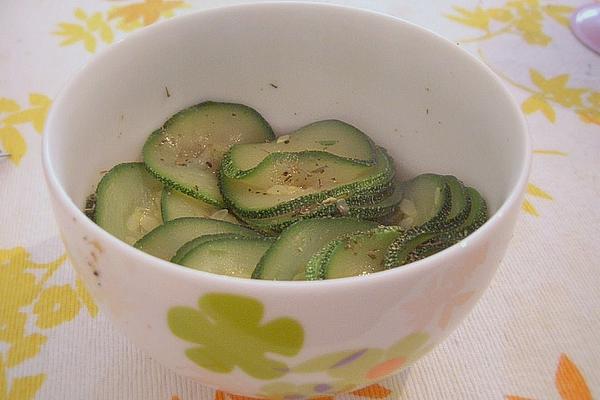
x: 533, y: 335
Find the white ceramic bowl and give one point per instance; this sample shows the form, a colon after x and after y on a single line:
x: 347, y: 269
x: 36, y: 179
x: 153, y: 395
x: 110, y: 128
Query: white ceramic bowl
x: 432, y: 105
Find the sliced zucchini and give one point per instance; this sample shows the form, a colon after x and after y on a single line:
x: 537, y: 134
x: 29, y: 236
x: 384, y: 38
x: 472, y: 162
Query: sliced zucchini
x: 314, y: 267
x: 298, y: 243
x: 273, y: 226
x: 355, y: 207
x: 128, y: 202
x: 430, y: 247
x: 418, y: 244
x: 332, y: 136
x: 401, y: 251
x: 232, y: 256
x: 359, y: 254
x: 175, y: 204
x: 478, y: 213
x: 186, y: 248
x: 164, y: 241
x: 460, y: 208
x: 186, y: 151
x: 378, y: 209
x: 284, y: 182
x: 425, y: 204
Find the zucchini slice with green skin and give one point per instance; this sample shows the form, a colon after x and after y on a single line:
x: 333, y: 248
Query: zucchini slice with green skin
x: 236, y: 256
x: 297, y: 244
x: 354, y: 207
x: 186, y: 248
x: 359, y: 254
x: 478, y: 213
x: 332, y: 136
x: 284, y: 182
x: 379, y: 209
x: 164, y: 241
x: 402, y: 250
x: 314, y: 267
x: 128, y: 202
x: 460, y: 207
x: 175, y: 204
x: 186, y: 152
x: 426, y: 202
x: 418, y: 244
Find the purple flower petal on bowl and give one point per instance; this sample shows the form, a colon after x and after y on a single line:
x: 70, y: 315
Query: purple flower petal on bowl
x: 349, y: 359
x: 585, y: 24
x: 322, y: 387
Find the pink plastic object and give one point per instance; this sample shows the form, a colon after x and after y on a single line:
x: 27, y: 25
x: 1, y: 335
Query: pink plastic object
x: 585, y: 24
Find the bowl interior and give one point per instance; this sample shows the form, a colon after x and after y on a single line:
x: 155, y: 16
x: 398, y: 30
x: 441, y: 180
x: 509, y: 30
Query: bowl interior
x: 434, y: 107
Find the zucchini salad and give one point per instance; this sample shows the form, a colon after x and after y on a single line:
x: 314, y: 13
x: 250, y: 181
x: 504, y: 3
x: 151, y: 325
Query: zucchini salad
x: 218, y: 191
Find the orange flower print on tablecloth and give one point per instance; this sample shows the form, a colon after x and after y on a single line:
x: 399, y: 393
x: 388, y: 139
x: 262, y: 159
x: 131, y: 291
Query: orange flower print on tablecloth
x: 26, y: 294
x: 13, y: 116
x: 524, y: 18
x: 570, y: 383
x: 375, y: 391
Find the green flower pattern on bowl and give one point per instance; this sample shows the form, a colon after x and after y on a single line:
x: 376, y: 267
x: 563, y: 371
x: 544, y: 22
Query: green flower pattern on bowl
x: 229, y: 333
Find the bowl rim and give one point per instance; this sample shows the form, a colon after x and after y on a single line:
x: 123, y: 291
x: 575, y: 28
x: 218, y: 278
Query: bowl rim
x: 166, y: 267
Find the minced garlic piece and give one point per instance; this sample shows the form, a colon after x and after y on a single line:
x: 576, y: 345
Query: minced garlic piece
x: 283, y: 139
x: 408, y: 207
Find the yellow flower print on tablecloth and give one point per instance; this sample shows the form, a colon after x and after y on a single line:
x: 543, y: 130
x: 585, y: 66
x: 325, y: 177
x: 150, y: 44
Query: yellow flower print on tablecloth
x: 93, y: 28
x: 570, y: 382
x: 591, y: 114
x: 524, y: 18
x: 555, y: 90
x: 24, y: 294
x: 86, y: 30
x: 137, y: 15
x: 56, y: 305
x: 536, y: 191
x: 548, y: 92
x: 13, y: 115
x: 22, y: 388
